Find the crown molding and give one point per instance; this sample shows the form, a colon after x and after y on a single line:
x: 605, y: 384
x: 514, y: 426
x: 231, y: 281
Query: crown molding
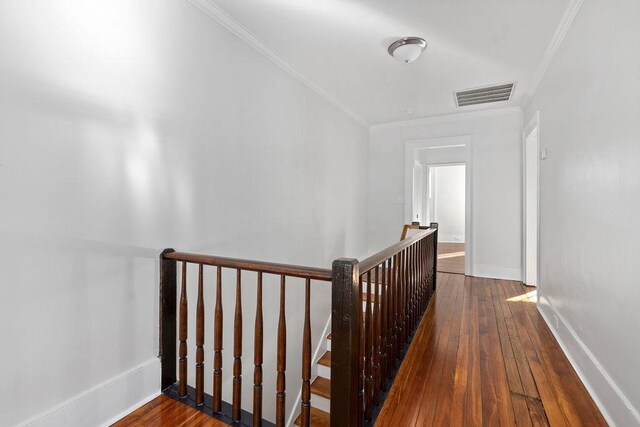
x: 565, y: 23
x: 223, y: 18
x: 446, y: 118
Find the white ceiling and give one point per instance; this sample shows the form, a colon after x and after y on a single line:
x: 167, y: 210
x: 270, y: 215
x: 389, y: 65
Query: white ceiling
x: 340, y: 46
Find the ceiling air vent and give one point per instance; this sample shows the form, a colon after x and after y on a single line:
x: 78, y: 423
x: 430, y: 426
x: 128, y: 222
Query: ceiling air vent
x: 484, y: 95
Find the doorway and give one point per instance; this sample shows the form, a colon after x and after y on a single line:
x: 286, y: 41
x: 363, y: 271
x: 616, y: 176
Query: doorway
x: 445, y: 204
x: 531, y: 202
x: 438, y: 188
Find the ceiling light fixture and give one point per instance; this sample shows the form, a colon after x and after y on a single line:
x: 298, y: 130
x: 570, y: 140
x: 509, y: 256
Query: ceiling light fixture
x: 407, y: 49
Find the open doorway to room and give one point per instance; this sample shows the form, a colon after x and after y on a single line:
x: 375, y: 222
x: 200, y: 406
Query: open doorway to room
x: 438, y: 189
x: 445, y: 204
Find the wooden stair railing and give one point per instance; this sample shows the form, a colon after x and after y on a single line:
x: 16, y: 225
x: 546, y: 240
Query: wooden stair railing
x: 169, y: 260
x: 365, y: 352
x: 376, y: 305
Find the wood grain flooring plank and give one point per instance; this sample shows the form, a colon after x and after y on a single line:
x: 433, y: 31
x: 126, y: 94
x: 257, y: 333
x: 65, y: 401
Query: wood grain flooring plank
x: 503, y: 394
x: 439, y: 390
x: 458, y: 400
x: 425, y: 351
x: 529, y: 388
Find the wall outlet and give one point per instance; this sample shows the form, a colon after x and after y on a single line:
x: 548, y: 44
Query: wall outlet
x: 543, y: 154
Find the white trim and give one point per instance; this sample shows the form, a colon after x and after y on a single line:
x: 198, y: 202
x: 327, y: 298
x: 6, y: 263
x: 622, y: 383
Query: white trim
x: 609, y: 398
x: 131, y: 409
x: 314, y: 366
x: 445, y: 118
x: 497, y: 272
x: 411, y: 147
x: 97, y: 405
x: 565, y: 23
x: 534, y: 123
x: 223, y: 18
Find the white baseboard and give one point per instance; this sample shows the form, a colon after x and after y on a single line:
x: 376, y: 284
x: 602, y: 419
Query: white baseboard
x: 613, y: 404
x: 496, y: 272
x: 107, y: 402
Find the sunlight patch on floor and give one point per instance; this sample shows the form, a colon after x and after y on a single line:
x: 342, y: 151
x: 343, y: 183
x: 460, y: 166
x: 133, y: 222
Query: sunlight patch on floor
x: 528, y: 297
x: 451, y: 255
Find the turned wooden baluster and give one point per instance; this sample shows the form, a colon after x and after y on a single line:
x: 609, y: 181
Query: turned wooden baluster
x: 237, y: 351
x: 425, y: 256
x: 421, y: 277
x: 376, y: 338
x: 368, y: 380
x: 384, y: 329
x: 407, y: 296
x: 400, y: 300
x: 217, y: 345
x: 361, y: 352
x: 416, y: 286
x: 306, y: 358
x: 411, y: 293
x: 395, y: 327
x: 257, y: 358
x: 281, y: 358
x: 200, y: 341
x: 182, y: 351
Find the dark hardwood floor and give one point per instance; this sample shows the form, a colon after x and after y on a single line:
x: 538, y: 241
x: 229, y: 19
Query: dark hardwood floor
x: 164, y: 411
x: 483, y: 355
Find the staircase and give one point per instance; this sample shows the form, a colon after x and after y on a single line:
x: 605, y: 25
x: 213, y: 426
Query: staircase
x: 321, y: 390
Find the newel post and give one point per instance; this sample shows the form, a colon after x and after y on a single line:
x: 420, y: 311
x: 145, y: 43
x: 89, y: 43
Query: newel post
x: 435, y: 253
x: 346, y: 313
x: 168, y: 297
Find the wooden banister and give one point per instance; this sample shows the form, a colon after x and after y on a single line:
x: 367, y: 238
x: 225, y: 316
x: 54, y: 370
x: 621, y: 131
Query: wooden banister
x: 312, y: 273
x: 377, y: 259
x: 392, y: 288
x: 174, y: 329
x: 375, y: 306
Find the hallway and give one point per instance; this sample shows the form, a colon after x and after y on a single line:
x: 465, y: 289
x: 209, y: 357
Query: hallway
x: 483, y: 355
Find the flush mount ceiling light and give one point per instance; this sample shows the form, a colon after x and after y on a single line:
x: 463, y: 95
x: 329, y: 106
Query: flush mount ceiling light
x: 407, y: 49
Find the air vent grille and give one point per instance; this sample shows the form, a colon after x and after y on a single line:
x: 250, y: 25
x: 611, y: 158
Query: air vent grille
x: 484, y: 95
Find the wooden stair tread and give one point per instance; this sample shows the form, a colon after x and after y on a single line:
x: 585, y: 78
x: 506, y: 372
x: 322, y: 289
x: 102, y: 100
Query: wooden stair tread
x: 329, y: 337
x: 319, y: 418
x: 321, y: 387
x: 325, y: 359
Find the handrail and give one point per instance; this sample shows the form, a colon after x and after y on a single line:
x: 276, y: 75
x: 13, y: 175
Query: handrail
x: 412, y: 226
x: 370, y: 334
x: 385, y: 254
x: 303, y: 272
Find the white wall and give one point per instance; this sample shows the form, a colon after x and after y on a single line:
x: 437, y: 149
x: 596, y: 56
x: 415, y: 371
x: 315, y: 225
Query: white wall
x: 449, y: 196
x: 127, y: 127
x: 590, y: 199
x: 496, y: 176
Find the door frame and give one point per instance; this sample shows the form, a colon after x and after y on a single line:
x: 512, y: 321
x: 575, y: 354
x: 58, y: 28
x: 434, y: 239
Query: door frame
x: 534, y: 123
x: 412, y: 147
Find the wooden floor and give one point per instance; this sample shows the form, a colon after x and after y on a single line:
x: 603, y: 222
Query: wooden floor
x: 164, y: 411
x: 483, y: 355
x: 451, y: 257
